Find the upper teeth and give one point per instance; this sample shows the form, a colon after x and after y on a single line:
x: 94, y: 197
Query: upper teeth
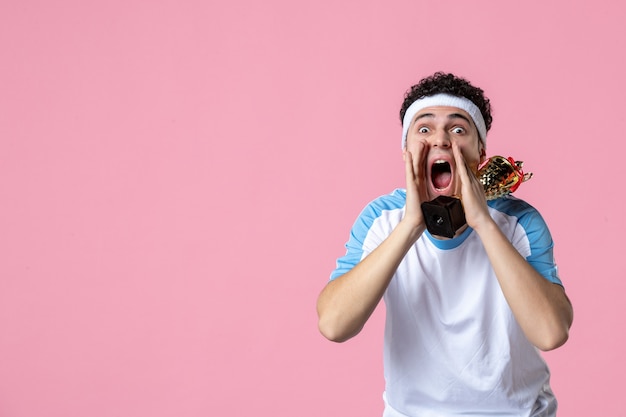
x: 440, y: 161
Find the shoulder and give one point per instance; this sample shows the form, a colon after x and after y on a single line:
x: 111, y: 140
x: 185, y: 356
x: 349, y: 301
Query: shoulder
x: 380, y: 215
x: 521, y: 211
x: 525, y: 224
x: 370, y: 228
x: 529, y: 234
x: 382, y: 207
x: 392, y: 201
x: 511, y: 205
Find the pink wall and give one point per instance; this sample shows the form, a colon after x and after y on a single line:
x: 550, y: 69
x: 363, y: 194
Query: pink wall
x: 178, y: 177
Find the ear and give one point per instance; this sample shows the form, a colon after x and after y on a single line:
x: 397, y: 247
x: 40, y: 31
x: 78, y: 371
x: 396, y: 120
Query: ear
x: 483, y: 153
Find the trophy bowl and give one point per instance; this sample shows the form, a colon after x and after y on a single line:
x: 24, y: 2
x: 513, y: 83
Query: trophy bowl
x: 501, y: 176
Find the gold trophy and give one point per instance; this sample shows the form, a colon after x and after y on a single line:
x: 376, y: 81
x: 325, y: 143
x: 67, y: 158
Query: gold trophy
x: 499, y: 176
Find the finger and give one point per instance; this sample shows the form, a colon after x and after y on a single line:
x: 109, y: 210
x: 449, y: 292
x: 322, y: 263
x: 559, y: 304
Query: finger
x: 461, y: 166
x: 408, y: 167
x: 419, y: 162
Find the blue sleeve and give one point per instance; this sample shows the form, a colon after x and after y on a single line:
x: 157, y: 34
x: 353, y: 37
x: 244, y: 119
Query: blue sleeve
x: 539, y: 238
x: 355, y: 247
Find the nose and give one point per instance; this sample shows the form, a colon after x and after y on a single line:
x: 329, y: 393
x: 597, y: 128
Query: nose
x: 441, y: 139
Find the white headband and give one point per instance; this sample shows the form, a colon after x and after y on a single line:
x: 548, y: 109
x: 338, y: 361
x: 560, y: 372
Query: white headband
x: 444, y: 100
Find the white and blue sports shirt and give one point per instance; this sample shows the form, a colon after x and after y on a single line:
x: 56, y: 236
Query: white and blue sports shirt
x: 452, y: 346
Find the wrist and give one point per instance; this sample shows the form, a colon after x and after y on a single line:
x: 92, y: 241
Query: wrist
x: 412, y: 229
x: 485, y: 227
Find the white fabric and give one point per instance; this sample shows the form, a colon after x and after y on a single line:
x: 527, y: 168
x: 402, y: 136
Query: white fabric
x: 452, y: 346
x: 444, y: 100
x: 451, y: 341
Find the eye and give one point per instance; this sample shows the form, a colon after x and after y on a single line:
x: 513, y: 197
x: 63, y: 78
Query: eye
x: 458, y: 130
x: 423, y: 129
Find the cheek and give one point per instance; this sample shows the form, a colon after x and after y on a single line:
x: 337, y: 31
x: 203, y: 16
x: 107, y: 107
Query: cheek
x: 413, y: 144
x: 470, y: 152
x: 473, y: 157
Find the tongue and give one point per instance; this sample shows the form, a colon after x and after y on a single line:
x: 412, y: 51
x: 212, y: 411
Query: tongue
x: 442, y: 180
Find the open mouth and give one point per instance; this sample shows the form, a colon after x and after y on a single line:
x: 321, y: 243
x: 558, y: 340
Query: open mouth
x: 441, y: 175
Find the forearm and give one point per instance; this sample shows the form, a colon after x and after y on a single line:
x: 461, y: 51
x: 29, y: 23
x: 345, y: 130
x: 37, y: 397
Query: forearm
x: 346, y: 303
x: 541, y: 308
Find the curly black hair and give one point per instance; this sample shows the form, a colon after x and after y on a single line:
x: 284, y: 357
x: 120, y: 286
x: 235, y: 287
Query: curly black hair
x: 441, y: 82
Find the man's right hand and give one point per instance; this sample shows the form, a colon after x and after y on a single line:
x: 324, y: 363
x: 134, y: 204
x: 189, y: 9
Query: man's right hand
x: 416, y: 185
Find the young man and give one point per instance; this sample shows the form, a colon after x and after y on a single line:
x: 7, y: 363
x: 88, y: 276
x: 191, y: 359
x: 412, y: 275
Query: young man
x: 467, y: 315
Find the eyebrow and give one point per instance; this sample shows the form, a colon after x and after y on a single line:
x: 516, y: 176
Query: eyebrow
x: 450, y: 116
